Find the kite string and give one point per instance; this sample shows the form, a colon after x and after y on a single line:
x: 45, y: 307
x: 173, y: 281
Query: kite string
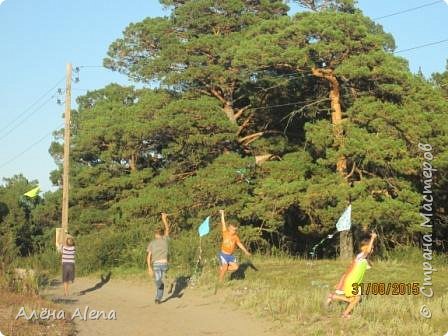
x: 195, y: 276
x: 313, y: 250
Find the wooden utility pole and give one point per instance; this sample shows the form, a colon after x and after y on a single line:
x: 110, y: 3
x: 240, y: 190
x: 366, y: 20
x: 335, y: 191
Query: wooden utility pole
x: 65, y: 179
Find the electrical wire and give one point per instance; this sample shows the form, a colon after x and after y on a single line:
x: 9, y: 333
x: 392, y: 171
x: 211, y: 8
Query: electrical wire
x: 421, y: 46
x: 32, y: 105
x: 272, y: 106
x: 408, y: 10
x: 28, y: 148
x: 27, y: 116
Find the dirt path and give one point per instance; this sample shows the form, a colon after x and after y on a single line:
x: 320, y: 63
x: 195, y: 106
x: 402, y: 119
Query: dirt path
x: 188, y: 313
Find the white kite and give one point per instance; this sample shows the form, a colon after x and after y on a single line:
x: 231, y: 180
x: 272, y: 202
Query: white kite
x: 345, y: 221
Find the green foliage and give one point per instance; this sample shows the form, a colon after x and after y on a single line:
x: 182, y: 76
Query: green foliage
x: 277, y: 189
x: 441, y: 81
x: 107, y: 248
x: 212, y: 66
x: 329, y: 5
x: 235, y: 82
x: 291, y: 291
x: 20, y: 233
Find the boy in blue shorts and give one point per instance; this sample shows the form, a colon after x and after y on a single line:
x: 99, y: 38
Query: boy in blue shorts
x: 229, y: 241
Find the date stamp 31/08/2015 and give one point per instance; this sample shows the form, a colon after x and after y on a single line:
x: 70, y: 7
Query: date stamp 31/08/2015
x: 381, y: 288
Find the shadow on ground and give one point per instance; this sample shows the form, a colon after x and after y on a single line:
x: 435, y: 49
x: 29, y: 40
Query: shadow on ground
x: 55, y: 282
x: 178, y: 287
x: 104, y: 280
x: 63, y: 300
x: 240, y: 273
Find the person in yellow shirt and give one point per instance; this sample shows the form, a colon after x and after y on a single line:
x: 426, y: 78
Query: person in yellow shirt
x: 229, y: 241
x: 349, y: 283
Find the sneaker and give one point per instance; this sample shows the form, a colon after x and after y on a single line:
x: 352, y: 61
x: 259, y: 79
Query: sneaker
x: 157, y: 301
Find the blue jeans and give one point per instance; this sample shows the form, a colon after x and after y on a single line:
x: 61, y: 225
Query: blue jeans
x: 159, y: 274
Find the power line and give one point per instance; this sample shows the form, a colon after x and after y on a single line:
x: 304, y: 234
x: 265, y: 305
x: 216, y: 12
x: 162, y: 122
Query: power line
x: 85, y: 90
x: 305, y: 74
x: 255, y: 108
x: 408, y: 10
x: 297, y: 75
x: 421, y: 46
x: 27, y: 116
x: 33, y: 104
x: 28, y: 148
x: 376, y: 18
x: 280, y: 105
x: 91, y: 66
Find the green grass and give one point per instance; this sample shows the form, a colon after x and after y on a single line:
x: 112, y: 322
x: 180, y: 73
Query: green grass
x: 291, y: 292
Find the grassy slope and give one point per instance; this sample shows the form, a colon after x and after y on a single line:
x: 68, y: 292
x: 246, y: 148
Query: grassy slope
x: 10, y: 305
x: 291, y: 292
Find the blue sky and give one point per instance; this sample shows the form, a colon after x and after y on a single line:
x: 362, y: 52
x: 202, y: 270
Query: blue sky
x: 38, y: 38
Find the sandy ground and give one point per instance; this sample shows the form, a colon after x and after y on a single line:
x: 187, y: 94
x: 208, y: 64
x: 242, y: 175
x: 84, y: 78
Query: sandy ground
x: 189, y: 312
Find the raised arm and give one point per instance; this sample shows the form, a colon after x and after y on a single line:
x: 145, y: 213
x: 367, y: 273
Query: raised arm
x: 223, y: 220
x: 166, y: 224
x: 372, y: 239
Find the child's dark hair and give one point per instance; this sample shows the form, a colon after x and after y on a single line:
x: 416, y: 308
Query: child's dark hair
x: 70, y: 241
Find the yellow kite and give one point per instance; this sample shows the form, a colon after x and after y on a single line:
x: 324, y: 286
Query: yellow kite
x: 32, y: 193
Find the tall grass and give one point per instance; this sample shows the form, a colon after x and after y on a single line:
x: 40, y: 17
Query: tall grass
x: 288, y: 291
x: 291, y: 293
x: 10, y: 305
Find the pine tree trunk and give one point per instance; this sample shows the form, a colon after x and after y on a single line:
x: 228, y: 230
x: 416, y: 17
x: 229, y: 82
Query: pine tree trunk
x: 230, y: 113
x: 346, y: 245
x: 336, y: 120
x: 346, y: 238
x: 133, y: 162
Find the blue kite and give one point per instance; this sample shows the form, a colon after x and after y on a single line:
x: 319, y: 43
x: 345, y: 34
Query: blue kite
x: 204, y: 228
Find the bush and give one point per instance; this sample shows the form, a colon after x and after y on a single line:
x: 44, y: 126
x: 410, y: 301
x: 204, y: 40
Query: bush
x: 126, y: 248
x: 106, y: 249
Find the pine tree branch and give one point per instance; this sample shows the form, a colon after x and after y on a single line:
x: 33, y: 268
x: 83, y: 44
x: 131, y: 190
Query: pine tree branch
x: 252, y: 137
x: 291, y: 115
x: 204, y: 92
x: 259, y: 159
x: 361, y: 176
x: 216, y: 94
x: 240, y: 112
x: 352, y: 171
x: 245, y: 124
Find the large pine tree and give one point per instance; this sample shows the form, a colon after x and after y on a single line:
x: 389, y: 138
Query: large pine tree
x: 321, y: 92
